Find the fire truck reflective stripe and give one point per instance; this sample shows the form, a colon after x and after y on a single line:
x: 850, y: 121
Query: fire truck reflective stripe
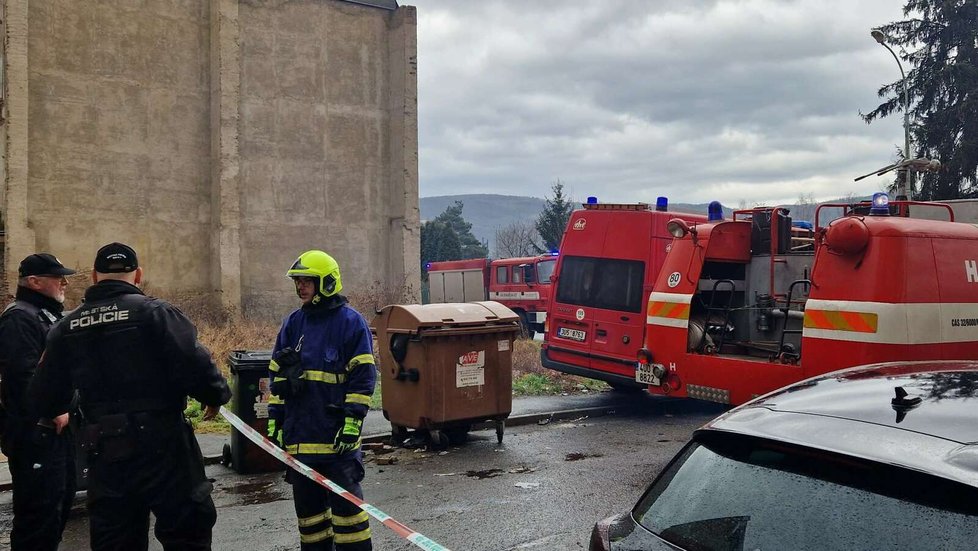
x: 324, y: 377
x: 668, y: 309
x: 896, y: 323
x: 674, y: 310
x: 514, y: 295
x: 863, y: 322
x: 401, y: 530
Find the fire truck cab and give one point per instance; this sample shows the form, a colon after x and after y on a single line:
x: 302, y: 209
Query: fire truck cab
x: 522, y: 284
x: 745, y: 306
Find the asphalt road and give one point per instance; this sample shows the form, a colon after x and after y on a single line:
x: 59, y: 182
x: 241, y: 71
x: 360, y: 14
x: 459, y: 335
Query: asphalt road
x: 542, y: 490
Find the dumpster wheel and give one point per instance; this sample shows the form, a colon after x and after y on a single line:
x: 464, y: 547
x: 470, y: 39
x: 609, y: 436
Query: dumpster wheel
x: 439, y: 439
x: 500, y: 429
x: 399, y: 433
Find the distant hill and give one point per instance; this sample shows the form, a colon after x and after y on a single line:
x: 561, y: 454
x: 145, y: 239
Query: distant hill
x: 487, y: 213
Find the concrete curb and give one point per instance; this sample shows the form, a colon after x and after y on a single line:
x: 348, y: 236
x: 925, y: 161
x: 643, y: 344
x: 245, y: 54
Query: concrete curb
x: 513, y: 421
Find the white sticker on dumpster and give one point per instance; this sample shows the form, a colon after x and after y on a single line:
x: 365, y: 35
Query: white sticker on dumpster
x: 503, y: 345
x: 470, y: 370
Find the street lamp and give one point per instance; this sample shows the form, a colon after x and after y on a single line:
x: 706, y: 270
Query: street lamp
x: 902, y: 186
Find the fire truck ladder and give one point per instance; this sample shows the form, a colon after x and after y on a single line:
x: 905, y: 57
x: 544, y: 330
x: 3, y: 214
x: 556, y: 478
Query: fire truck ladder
x: 790, y: 355
x: 711, y: 309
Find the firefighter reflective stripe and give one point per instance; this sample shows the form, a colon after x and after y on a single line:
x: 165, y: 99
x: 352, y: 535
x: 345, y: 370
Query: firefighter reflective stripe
x: 273, y: 366
x: 358, y: 399
x: 310, y: 448
x: 891, y: 323
x: 863, y: 322
x: 669, y: 309
x: 352, y: 538
x: 324, y: 377
x: 318, y: 536
x: 274, y: 399
x: 362, y: 516
x: 360, y: 359
x: 315, y: 519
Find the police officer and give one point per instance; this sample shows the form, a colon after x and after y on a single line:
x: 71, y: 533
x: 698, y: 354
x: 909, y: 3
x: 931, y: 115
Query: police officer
x: 134, y: 360
x: 323, y: 370
x: 40, y: 451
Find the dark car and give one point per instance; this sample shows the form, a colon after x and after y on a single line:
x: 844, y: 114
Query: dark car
x: 881, y: 457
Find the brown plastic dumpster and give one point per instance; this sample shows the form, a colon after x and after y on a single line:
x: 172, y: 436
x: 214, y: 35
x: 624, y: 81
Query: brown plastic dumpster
x: 446, y: 366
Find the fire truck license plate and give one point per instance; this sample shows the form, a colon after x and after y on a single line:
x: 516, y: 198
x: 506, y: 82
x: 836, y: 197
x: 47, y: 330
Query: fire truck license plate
x: 573, y: 334
x: 643, y: 374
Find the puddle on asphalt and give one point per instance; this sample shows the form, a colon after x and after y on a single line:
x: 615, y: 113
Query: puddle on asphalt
x: 254, y: 493
x: 578, y: 456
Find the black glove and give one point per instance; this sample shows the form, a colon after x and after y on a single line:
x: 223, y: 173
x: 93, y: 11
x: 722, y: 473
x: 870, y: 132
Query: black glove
x: 290, y: 368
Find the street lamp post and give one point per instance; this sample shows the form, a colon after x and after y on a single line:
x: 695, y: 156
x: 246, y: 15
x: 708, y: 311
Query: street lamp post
x: 905, y: 185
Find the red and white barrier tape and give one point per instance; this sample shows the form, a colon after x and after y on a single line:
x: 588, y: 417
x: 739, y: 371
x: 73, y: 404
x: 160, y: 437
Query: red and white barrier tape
x: 416, y: 538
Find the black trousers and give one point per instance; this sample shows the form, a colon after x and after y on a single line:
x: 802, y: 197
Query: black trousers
x: 326, y: 521
x: 164, y: 475
x: 42, y: 466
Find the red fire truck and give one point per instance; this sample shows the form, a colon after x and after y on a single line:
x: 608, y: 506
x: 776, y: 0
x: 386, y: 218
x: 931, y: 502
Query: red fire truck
x: 745, y: 306
x: 521, y: 284
x: 609, y: 258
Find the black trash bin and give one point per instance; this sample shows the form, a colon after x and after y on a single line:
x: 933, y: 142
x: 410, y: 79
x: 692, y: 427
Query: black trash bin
x: 249, y: 401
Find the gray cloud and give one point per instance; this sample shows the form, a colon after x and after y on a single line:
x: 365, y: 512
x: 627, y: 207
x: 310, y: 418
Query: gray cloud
x: 752, y: 100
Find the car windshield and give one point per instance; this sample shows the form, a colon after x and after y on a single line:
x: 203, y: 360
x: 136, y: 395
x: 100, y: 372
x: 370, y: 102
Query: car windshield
x: 730, y: 493
x: 545, y: 269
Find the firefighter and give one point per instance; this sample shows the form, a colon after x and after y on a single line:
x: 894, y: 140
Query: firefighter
x: 134, y: 360
x: 323, y: 371
x: 40, y: 451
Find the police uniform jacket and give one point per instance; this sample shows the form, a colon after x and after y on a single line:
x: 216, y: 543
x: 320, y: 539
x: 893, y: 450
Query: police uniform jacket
x: 24, y: 325
x: 125, y: 352
x: 336, y: 353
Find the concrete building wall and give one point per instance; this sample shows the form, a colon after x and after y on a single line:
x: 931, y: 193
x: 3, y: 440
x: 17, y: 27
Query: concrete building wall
x: 220, y: 138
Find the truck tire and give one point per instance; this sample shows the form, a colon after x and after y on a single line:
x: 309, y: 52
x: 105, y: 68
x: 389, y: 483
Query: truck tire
x: 526, y: 330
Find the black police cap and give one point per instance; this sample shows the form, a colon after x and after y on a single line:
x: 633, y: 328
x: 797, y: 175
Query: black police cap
x: 42, y: 264
x: 115, y: 258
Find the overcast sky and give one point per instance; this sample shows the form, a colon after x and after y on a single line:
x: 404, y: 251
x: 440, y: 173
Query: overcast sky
x: 753, y: 100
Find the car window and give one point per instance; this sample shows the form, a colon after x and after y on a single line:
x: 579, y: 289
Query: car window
x: 735, y: 494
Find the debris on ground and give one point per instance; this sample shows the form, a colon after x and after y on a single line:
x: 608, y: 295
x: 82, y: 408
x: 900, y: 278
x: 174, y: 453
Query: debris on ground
x: 481, y: 475
x: 521, y: 469
x: 527, y: 485
x: 385, y: 460
x: 576, y: 456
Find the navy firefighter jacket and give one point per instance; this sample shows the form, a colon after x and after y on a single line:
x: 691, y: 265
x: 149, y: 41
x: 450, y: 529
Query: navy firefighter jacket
x: 337, y: 358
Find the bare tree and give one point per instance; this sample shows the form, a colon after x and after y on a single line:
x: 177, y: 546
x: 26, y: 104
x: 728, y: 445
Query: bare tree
x: 516, y: 239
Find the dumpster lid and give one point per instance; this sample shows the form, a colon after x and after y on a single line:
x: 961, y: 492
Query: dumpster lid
x: 249, y: 360
x: 413, y: 317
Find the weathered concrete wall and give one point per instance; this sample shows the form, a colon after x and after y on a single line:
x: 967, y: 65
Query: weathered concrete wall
x: 319, y: 128
x: 220, y: 137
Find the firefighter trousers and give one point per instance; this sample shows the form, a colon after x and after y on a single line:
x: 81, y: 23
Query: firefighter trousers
x: 42, y: 469
x: 326, y: 521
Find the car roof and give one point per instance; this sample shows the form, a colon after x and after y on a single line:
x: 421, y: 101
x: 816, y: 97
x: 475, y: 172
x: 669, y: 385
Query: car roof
x: 856, y: 412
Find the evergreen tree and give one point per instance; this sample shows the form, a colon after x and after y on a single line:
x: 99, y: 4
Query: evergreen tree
x: 438, y: 242
x: 939, y: 39
x: 553, y: 219
x: 470, y: 246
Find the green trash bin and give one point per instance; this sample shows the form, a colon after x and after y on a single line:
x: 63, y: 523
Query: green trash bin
x: 249, y: 401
